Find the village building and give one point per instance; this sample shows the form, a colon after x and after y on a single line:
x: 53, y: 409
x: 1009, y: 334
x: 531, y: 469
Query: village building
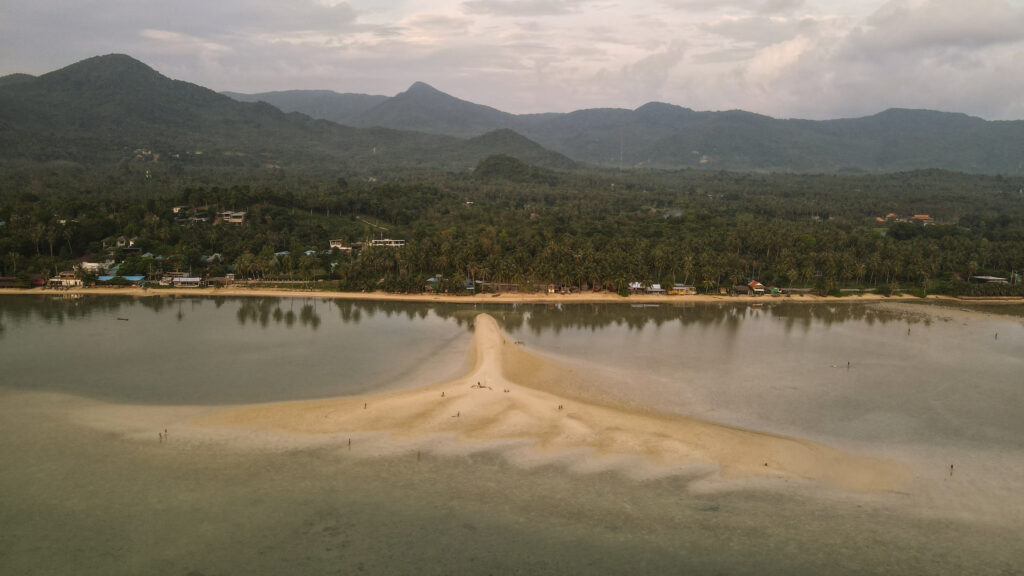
x: 656, y: 289
x: 388, y: 242
x: 187, y: 282
x: 232, y: 217
x: 682, y: 290
x: 65, y: 280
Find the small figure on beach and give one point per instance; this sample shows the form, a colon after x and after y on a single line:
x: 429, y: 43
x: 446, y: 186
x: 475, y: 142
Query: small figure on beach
x: 161, y: 435
x: 349, y: 443
x: 165, y: 434
x: 847, y: 365
x: 458, y: 414
x: 364, y: 405
x: 950, y: 470
x: 442, y: 394
x: 559, y: 406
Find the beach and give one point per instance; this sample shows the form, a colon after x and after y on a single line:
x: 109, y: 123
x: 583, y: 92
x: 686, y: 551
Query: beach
x: 238, y: 291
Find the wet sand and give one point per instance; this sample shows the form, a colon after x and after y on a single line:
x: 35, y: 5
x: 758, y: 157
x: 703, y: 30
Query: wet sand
x: 511, y: 399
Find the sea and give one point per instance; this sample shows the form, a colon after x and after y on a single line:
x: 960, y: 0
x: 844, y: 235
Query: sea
x: 938, y: 388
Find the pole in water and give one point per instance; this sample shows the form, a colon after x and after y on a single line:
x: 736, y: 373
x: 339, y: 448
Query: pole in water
x: 349, y: 443
x: 847, y: 365
x: 950, y: 470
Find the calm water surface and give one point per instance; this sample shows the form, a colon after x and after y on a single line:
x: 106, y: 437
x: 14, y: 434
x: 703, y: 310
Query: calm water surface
x: 925, y: 386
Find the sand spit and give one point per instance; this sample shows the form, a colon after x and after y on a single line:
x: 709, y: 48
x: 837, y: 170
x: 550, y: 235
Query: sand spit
x: 512, y: 397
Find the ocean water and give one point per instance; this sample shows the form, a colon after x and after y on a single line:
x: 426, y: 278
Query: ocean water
x: 80, y: 500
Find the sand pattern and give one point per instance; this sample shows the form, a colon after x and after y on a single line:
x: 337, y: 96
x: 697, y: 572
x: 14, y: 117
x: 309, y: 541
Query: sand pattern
x: 513, y: 398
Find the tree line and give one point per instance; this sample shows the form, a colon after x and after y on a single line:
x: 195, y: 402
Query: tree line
x: 507, y: 225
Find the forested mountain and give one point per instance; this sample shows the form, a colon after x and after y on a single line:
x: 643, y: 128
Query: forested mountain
x: 113, y: 109
x: 662, y: 135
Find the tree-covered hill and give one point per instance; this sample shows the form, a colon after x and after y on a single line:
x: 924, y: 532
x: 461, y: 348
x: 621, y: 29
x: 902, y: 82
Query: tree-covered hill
x: 114, y: 109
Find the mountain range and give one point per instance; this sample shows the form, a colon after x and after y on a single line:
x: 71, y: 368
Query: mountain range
x: 107, y: 109
x: 660, y: 135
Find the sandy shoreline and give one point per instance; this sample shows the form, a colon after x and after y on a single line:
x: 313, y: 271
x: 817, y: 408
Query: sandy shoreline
x: 504, y: 298
x: 499, y: 402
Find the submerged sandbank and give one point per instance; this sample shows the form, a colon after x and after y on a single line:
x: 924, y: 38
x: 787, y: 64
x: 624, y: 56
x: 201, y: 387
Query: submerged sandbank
x: 514, y: 398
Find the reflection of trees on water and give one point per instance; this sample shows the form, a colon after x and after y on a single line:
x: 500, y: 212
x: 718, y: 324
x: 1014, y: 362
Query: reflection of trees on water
x: 537, y: 318
x: 56, y: 309
x: 544, y: 318
x: 279, y: 310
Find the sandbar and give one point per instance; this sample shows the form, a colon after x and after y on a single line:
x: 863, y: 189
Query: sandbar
x: 512, y: 397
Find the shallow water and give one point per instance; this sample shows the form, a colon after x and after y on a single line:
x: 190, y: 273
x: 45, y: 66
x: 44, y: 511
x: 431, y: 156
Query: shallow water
x: 86, y: 501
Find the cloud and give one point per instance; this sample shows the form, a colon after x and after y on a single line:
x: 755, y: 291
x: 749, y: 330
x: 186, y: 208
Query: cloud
x: 527, y: 8
x: 791, y: 58
x: 760, y: 30
x: 939, y: 24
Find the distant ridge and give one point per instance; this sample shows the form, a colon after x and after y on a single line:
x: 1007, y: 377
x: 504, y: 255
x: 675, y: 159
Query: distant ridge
x: 341, y: 108
x: 661, y: 135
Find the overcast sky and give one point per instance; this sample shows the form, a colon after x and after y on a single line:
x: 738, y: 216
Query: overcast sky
x: 785, y: 58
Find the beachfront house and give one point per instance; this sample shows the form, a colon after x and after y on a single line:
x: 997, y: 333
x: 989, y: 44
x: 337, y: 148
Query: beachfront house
x: 656, y: 289
x: 65, y: 280
x: 756, y: 288
x: 682, y: 290
x: 187, y: 282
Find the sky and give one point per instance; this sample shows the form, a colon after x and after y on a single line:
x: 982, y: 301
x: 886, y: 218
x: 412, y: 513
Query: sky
x: 811, y: 59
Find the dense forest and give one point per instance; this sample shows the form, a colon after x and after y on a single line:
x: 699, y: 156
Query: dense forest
x: 507, y: 225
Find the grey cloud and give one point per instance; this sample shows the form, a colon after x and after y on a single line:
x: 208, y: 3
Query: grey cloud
x: 451, y: 24
x: 900, y: 25
x: 764, y: 7
x: 528, y: 8
x: 760, y: 30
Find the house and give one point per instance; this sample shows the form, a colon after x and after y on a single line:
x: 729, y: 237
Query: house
x: 132, y: 280
x: 990, y: 280
x: 742, y: 290
x: 655, y: 289
x: 636, y: 287
x: 232, y: 217
x: 214, y: 258
x: 756, y: 288
x: 340, y: 245
x: 682, y: 290
x: 65, y: 280
x: 924, y: 219
x: 95, y: 267
x: 187, y: 282
x: 388, y: 242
